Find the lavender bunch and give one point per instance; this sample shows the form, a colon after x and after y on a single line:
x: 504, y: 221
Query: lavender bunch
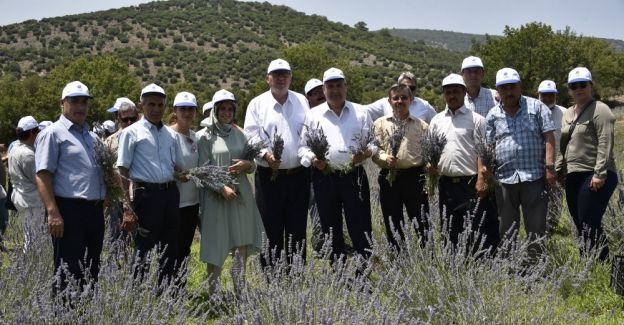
x: 277, y: 146
x: 316, y: 140
x: 106, y: 158
x: 212, y: 177
x: 399, y: 129
x: 253, y: 147
x: 362, y: 140
x: 487, y: 154
x: 432, y: 146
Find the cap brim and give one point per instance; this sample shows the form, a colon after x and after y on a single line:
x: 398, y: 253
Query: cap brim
x: 185, y: 104
x: 275, y: 70
x: 77, y: 95
x: 332, y: 78
x: 112, y: 109
x: 472, y: 66
x: 578, y: 80
x: 548, y: 91
x: 153, y: 93
x: 506, y: 82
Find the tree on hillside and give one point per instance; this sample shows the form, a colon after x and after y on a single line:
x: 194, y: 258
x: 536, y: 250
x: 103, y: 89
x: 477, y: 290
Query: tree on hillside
x: 360, y: 25
x: 539, y: 53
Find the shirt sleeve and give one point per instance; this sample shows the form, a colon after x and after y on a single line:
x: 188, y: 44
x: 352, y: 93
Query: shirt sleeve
x: 125, y: 151
x: 253, y: 126
x: 46, y: 152
x: 604, y: 123
x: 28, y: 167
x: 376, y: 110
x: 304, y: 153
x: 490, y: 129
x: 381, y: 155
x: 368, y: 127
x: 546, y: 121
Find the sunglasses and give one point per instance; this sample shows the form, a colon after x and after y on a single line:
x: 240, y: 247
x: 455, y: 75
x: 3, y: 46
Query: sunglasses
x: 578, y: 85
x: 128, y: 119
x: 401, y: 97
x: 412, y: 88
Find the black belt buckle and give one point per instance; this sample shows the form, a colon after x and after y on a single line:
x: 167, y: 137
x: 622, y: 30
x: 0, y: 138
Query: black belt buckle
x: 155, y: 186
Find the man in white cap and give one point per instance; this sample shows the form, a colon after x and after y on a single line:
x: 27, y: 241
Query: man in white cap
x: 25, y: 196
x: 419, y: 107
x: 547, y: 93
x: 522, y: 132
x: 339, y: 179
x: 459, y: 186
x: 148, y: 154
x: 478, y: 98
x: 282, y: 201
x: 314, y: 92
x: 71, y: 186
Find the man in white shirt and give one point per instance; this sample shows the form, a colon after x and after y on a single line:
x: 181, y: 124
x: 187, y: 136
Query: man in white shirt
x: 459, y: 166
x: 23, y: 177
x: 478, y: 98
x: 419, y: 107
x: 339, y: 179
x: 282, y: 185
x: 547, y: 93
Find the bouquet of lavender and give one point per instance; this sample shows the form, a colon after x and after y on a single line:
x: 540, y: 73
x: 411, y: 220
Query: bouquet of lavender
x: 212, y: 177
x: 253, y: 147
x: 487, y: 154
x: 395, y: 138
x: 106, y: 158
x: 316, y: 140
x: 277, y: 146
x: 432, y: 146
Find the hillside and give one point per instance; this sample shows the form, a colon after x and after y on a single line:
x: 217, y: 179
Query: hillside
x: 211, y: 44
x: 462, y: 42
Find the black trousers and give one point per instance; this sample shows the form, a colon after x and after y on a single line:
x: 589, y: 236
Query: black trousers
x: 159, y: 216
x: 458, y: 197
x: 283, y: 206
x: 406, y: 190
x: 587, y: 207
x: 335, y: 192
x: 82, y: 241
x: 189, y: 217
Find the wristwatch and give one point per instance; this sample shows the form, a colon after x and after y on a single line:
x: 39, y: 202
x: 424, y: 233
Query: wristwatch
x: 550, y: 167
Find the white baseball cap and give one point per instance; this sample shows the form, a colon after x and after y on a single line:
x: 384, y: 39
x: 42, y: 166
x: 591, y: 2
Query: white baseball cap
x: 109, y: 126
x: 472, y: 62
x: 185, y: 98
x: 453, y: 79
x: 27, y: 123
x: 75, y: 89
x: 44, y: 124
x: 579, y: 74
x: 547, y: 86
x: 207, y: 106
x: 507, y: 76
x: 118, y: 102
x: 332, y: 74
x: 278, y: 64
x: 222, y: 95
x: 311, y: 84
x: 152, y: 89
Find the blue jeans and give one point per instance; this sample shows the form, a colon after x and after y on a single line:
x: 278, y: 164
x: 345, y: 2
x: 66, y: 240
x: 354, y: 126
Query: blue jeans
x: 588, y: 207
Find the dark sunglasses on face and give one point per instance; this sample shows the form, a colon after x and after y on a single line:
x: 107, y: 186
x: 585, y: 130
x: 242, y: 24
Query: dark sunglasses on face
x: 412, y: 88
x: 401, y: 97
x: 128, y: 119
x: 578, y: 85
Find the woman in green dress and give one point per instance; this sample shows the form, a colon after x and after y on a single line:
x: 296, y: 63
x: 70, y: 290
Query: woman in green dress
x: 230, y: 220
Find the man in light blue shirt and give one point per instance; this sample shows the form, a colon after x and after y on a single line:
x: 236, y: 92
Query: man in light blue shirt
x: 71, y: 186
x: 521, y: 129
x: 148, y: 154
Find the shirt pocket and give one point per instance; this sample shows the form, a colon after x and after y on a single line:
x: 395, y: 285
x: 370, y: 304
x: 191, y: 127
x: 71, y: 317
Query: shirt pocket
x: 502, y: 130
x: 530, y: 123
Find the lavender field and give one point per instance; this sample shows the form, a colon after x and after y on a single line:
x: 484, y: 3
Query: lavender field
x: 434, y: 284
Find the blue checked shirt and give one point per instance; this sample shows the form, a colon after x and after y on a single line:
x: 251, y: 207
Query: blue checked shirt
x: 482, y: 103
x: 519, y: 140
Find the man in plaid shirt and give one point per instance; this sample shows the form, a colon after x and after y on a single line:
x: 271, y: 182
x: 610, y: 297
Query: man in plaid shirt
x: 521, y: 128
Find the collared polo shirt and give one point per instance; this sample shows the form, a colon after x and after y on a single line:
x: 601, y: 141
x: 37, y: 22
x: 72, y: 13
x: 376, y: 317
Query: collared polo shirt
x: 67, y: 151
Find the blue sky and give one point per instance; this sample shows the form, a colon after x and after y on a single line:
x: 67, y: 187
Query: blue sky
x: 604, y: 18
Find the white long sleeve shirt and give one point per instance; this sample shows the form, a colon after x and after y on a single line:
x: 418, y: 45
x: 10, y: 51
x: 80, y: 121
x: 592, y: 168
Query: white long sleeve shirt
x: 265, y: 114
x: 340, y: 131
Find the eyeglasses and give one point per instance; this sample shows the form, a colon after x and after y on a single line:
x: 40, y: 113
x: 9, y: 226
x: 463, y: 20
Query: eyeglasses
x: 412, y: 88
x: 128, y: 119
x: 578, y: 85
x: 401, y: 97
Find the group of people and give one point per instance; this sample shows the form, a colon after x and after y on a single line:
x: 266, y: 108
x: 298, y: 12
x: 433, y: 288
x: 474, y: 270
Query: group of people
x: 534, y: 141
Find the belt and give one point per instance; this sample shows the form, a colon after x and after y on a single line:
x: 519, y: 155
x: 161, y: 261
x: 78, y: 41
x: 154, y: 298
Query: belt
x: 286, y: 172
x: 346, y: 172
x: 81, y: 201
x: 417, y: 170
x: 154, y: 186
x: 457, y: 179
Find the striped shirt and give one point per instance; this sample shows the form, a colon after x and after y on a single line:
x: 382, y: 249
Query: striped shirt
x: 484, y: 101
x: 519, y: 140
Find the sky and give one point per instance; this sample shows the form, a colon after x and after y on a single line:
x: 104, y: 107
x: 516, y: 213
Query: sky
x: 604, y: 18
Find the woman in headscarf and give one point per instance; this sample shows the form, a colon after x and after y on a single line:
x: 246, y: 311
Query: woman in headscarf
x: 230, y: 220
x: 586, y: 159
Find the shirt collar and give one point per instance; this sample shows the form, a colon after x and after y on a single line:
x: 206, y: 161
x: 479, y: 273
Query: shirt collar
x: 275, y: 102
x: 523, y: 105
x: 151, y: 125
x: 461, y: 110
x: 327, y: 109
x: 68, y: 124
